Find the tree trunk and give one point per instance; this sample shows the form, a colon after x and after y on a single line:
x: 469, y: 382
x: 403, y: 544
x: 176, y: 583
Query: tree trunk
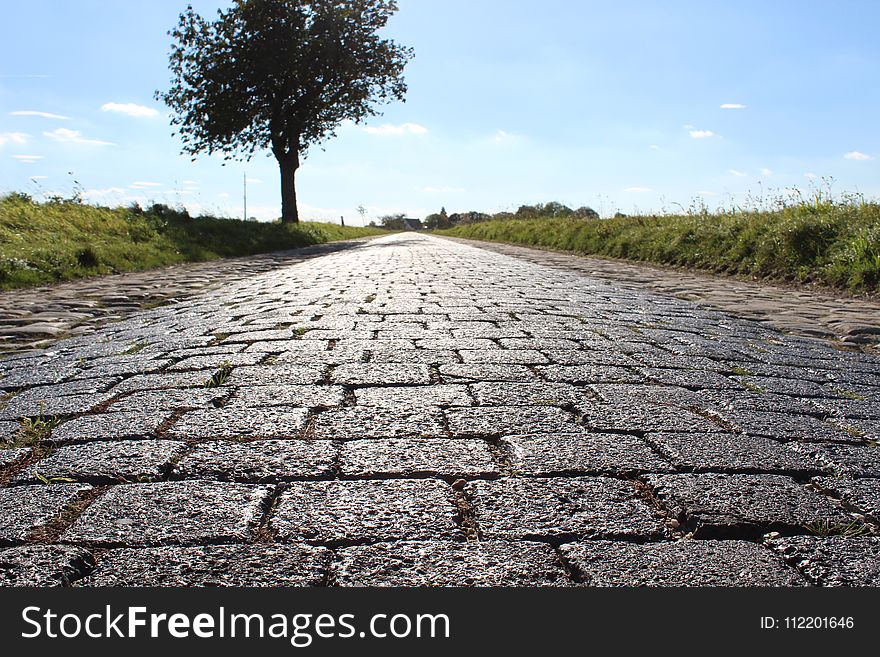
x: 288, y: 164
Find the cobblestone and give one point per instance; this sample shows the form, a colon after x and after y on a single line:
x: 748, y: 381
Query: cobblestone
x: 423, y: 413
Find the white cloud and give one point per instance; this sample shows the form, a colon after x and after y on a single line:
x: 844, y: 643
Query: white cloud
x: 706, y: 193
x: 638, y: 190
x: 811, y: 176
x: 654, y: 147
x: 396, y: 130
x: 733, y: 106
x: 42, y: 115
x: 190, y: 182
x: 144, y: 185
x: 29, y: 159
x: 223, y: 195
x: 130, y: 109
x: 19, y: 138
x: 701, y: 134
x: 856, y: 155
x: 766, y: 172
x: 75, y: 137
x: 102, y: 193
x: 738, y: 174
x: 35, y: 178
x: 255, y: 181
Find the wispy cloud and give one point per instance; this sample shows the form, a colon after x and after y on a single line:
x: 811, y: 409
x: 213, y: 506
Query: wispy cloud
x: 706, y: 192
x: 654, y: 147
x: 396, y: 130
x: 144, y: 185
x: 103, y: 193
x: 766, y: 172
x: 638, y: 190
x: 701, y: 134
x: 42, y: 115
x: 811, y: 176
x: 75, y: 137
x: 856, y: 155
x: 19, y: 138
x: 738, y: 174
x: 130, y: 109
x: 733, y: 106
x: 28, y: 159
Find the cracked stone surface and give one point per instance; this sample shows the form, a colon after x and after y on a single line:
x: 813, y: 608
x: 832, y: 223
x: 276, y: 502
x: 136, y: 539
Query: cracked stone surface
x: 106, y: 462
x: 437, y: 563
x: 834, y: 560
x: 576, y: 507
x: 257, y: 565
x: 716, y: 505
x: 43, y: 565
x: 680, y: 563
x: 351, y: 511
x: 414, y: 411
x: 259, y: 461
x: 186, y: 512
x: 25, y: 508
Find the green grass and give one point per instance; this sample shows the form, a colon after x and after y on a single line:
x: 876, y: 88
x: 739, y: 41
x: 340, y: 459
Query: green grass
x: 833, y: 243
x: 64, y: 239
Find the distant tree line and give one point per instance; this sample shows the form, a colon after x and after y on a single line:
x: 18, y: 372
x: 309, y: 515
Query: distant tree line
x: 442, y: 219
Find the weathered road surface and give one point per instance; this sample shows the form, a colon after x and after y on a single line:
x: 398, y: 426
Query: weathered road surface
x: 415, y: 411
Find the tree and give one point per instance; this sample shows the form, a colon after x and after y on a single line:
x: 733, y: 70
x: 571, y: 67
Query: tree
x: 393, y: 221
x: 280, y: 75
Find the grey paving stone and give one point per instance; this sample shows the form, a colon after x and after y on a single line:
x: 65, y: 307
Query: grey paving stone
x: 455, y: 344
x: 261, y: 461
x: 158, y: 401
x: 30, y: 406
x: 503, y: 356
x: 582, y: 453
x: 414, y: 356
x: 414, y: 396
x: 286, y: 395
x: 14, y: 455
x: 561, y: 509
x: 602, y: 357
x: 240, y: 423
x: 746, y: 402
x: 509, y: 420
x: 345, y: 512
x: 733, y: 453
x: 834, y: 560
x: 8, y: 431
x: 860, y: 494
x: 695, y: 379
x: 179, y: 512
x: 194, y: 379
x: 494, y: 393
x: 417, y: 457
x: 782, y: 386
x: 843, y: 460
x: 585, y: 374
x: 490, y: 372
x: 378, y: 422
x: 104, y: 462
x: 371, y: 374
x: 110, y: 426
x: 644, y: 418
x: 277, y: 374
x: 742, y: 506
x: 26, y: 508
x: 645, y: 394
x: 213, y: 362
x: 258, y: 565
x: 683, y: 563
x: 43, y: 565
x: 441, y: 563
x: 783, y: 426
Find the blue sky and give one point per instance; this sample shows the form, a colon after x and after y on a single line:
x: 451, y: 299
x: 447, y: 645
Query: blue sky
x: 615, y: 105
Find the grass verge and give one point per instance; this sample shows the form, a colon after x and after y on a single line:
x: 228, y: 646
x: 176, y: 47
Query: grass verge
x: 825, y: 242
x: 64, y: 239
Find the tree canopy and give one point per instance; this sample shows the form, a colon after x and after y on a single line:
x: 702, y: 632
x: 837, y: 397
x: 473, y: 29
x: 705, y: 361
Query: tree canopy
x: 280, y: 75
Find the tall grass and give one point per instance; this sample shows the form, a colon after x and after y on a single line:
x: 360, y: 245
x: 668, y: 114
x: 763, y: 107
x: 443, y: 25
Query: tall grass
x: 820, y: 240
x: 64, y: 239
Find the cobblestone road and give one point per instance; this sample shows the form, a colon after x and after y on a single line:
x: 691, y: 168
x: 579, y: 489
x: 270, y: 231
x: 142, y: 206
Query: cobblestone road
x: 415, y: 411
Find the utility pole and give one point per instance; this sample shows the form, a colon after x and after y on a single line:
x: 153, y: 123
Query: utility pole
x: 245, y: 195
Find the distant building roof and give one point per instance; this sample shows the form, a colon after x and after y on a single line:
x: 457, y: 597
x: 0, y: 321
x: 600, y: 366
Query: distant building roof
x: 413, y: 224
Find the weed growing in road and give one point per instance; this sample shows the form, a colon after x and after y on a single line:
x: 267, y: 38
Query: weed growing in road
x: 827, y: 528
x: 34, y: 430
x: 220, y: 376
